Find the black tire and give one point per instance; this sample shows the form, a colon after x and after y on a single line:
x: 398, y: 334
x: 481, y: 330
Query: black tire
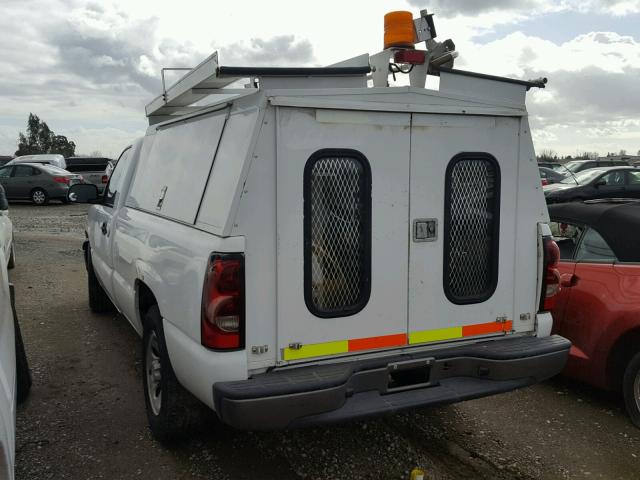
x: 12, y: 256
x: 99, y: 301
x: 23, y: 373
x: 39, y: 196
x: 631, y: 389
x: 178, y: 412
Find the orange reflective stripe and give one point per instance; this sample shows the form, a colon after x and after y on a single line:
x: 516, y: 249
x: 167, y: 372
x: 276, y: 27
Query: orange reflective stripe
x: 378, y: 342
x: 481, y: 329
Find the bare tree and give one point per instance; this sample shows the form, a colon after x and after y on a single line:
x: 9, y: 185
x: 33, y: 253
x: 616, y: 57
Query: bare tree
x: 587, y: 156
x: 547, y: 155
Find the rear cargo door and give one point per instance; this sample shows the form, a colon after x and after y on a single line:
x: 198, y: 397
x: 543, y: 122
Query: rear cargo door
x: 342, y: 213
x: 463, y: 205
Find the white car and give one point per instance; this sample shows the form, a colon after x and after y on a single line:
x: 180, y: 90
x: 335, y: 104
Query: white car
x: 312, y: 249
x: 6, y: 236
x: 15, y: 379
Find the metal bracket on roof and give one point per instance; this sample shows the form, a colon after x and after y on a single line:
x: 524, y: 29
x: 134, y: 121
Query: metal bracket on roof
x: 164, y: 88
x: 195, y: 85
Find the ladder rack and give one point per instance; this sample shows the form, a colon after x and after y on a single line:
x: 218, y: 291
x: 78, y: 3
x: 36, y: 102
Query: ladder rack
x: 198, y: 83
x: 209, y: 78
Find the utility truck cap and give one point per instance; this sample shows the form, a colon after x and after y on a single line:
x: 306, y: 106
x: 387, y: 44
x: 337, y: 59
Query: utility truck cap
x: 318, y: 246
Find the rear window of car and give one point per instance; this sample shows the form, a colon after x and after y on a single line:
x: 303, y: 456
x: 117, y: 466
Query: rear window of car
x: 52, y: 169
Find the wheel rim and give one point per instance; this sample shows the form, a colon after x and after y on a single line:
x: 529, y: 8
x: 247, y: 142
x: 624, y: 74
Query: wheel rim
x: 154, y: 373
x: 636, y: 390
x: 38, y: 196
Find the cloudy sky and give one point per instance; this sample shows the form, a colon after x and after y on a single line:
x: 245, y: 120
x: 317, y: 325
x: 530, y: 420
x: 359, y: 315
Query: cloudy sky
x: 88, y: 68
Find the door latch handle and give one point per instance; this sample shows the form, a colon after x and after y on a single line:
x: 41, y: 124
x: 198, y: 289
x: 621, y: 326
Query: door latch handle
x: 568, y: 280
x: 103, y: 227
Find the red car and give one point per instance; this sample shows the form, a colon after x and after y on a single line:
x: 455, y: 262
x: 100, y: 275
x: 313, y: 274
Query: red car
x: 598, y: 307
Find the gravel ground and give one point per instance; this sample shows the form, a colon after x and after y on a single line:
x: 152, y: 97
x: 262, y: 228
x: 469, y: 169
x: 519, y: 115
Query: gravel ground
x: 85, y: 417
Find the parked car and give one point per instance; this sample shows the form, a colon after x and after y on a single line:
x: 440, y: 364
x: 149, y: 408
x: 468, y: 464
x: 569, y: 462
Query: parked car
x: 44, y: 158
x: 577, y: 166
x: 15, y: 378
x: 290, y: 263
x: 7, y: 247
x: 549, y: 176
x: 550, y: 165
x: 37, y: 182
x: 92, y: 169
x: 611, y: 182
x: 598, y: 308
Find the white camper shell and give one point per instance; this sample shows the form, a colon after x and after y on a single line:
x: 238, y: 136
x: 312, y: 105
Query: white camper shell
x: 313, y: 248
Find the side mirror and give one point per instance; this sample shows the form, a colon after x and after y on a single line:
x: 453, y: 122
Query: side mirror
x: 83, y: 193
x: 599, y: 183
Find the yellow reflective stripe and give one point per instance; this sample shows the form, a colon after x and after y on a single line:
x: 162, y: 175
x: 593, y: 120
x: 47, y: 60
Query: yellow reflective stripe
x: 435, y: 335
x: 316, y: 350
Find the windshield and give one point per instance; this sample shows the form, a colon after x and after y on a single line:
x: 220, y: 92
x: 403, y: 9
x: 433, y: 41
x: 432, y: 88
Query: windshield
x: 572, y: 166
x: 583, y: 177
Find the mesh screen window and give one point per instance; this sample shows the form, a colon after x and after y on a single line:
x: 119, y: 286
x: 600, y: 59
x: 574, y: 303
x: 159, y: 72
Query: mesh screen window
x: 472, y: 227
x: 337, y: 232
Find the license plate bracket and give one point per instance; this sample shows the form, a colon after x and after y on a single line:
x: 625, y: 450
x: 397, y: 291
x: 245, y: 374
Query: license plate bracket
x: 409, y: 374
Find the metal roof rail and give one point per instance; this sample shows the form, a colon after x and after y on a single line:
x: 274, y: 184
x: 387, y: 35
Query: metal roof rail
x: 195, y: 85
x: 210, y: 78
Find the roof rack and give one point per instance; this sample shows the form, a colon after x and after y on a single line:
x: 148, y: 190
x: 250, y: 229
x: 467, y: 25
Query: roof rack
x: 199, y: 82
x: 210, y: 78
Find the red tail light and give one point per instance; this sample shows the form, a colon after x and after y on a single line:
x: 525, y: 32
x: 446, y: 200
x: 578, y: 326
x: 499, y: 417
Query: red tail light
x: 64, y: 180
x: 105, y: 178
x: 551, y: 279
x: 222, y: 324
x: 545, y: 182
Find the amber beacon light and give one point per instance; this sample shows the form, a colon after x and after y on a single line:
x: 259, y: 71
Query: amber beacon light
x: 399, y: 30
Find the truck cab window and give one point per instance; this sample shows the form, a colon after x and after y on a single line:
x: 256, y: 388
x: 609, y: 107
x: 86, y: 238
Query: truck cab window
x: 115, y: 182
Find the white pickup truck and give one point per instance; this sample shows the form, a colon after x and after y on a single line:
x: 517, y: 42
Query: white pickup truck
x: 15, y: 378
x: 320, y: 246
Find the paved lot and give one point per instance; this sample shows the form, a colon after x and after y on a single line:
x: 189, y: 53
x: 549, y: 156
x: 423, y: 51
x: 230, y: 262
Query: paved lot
x: 85, y: 417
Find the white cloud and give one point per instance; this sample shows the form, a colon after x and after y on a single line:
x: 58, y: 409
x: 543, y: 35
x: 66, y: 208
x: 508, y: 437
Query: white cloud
x: 452, y: 8
x: 88, y: 68
x: 592, y: 89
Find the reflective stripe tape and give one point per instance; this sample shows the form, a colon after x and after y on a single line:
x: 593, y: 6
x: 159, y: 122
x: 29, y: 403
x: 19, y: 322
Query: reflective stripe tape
x: 316, y: 350
x: 452, y: 333
x: 482, y: 329
x: 396, y: 340
x: 426, y: 336
x: 378, y: 342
